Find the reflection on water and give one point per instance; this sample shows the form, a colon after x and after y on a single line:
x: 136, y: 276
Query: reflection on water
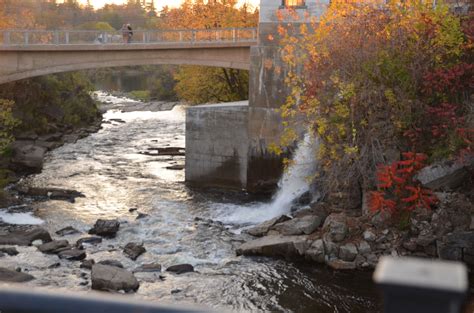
x: 109, y: 168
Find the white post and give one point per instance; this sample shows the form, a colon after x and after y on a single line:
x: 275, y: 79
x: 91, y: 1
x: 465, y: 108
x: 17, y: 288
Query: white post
x: 6, y: 38
x: 412, y: 285
x: 66, y: 34
x: 27, y: 38
x: 234, y: 35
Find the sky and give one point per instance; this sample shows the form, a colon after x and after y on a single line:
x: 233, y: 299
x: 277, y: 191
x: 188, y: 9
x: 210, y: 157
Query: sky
x: 158, y: 3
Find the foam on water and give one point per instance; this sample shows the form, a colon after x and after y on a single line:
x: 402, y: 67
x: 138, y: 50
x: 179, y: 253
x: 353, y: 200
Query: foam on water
x: 19, y: 218
x: 292, y: 185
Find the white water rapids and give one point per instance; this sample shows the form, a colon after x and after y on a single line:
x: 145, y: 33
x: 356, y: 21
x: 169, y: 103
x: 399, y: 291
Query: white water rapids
x: 293, y: 184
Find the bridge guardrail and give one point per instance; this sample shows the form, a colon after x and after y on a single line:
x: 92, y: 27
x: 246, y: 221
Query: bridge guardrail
x: 15, y: 37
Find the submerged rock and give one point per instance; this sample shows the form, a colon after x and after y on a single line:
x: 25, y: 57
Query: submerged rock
x: 263, y: 228
x: 54, y: 247
x: 89, y: 241
x: 9, y: 251
x: 275, y: 245
x: 24, y: 237
x: 111, y: 278
x: 134, y: 250
x: 105, y: 228
x: 148, y: 268
x: 111, y: 263
x: 180, y: 268
x: 72, y: 254
x: 14, y: 276
x: 67, y: 231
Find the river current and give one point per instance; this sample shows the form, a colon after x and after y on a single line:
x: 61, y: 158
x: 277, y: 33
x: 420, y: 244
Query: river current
x: 111, y: 169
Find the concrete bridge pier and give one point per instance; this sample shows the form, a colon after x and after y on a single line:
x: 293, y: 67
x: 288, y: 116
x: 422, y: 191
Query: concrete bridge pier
x: 235, y: 153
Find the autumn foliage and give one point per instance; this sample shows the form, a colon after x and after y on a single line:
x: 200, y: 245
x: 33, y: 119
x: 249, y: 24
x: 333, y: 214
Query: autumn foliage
x: 373, y: 80
x: 398, y: 189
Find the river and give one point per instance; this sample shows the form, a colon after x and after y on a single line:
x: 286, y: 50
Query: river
x: 109, y: 167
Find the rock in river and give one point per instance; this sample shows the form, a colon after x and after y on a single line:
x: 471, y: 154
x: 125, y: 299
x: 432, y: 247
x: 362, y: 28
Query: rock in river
x: 148, y: 268
x: 134, y: 250
x: 24, y: 237
x: 67, y: 231
x: 88, y: 241
x: 263, y: 228
x: 72, y: 254
x: 9, y: 251
x: 14, y: 276
x: 111, y: 263
x: 111, y: 278
x: 105, y: 228
x: 54, y: 247
x: 275, y: 245
x: 180, y: 268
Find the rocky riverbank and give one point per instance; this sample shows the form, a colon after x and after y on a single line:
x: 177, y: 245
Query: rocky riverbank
x: 351, y: 239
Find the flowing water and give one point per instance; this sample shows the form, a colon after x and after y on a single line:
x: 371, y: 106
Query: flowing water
x: 114, y: 174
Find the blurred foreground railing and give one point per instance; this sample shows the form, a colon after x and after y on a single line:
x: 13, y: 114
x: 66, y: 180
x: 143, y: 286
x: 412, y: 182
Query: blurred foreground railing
x: 24, y: 300
x: 85, y: 37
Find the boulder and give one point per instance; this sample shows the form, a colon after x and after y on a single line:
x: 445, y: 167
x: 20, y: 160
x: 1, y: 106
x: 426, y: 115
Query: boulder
x: 364, y: 248
x: 10, y: 276
x: 105, y: 228
x: 348, y: 252
x: 316, y: 252
x: 275, y: 245
x: 111, y: 278
x: 54, y: 246
x: 87, y: 264
x: 341, y: 265
x: 445, y: 175
x: 133, y: 250
x: 331, y: 248
x: 299, y: 226
x: 24, y: 236
x: 180, y: 268
x: 88, y: 241
x: 72, y: 254
x: 263, y: 228
x: 9, y: 251
x: 111, y: 263
x: 67, y: 231
x: 148, y: 268
x: 335, y: 227
x: 28, y: 156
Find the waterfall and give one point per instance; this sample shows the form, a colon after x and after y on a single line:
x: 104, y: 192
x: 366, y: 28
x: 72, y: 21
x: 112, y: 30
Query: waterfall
x: 293, y: 184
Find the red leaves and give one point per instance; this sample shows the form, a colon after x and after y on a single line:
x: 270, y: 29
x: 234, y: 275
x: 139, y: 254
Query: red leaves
x: 398, y: 189
x: 449, y: 81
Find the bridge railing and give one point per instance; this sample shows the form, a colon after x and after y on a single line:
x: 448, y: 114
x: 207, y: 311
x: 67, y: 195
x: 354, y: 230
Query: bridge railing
x: 14, y: 37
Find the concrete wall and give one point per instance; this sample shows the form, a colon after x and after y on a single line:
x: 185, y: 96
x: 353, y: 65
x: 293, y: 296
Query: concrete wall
x: 217, y: 145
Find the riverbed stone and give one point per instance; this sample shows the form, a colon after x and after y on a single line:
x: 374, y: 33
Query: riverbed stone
x: 105, y: 228
x: 54, y: 246
x: 316, y: 252
x: 111, y: 263
x: 275, y: 245
x: 299, y: 226
x: 24, y: 236
x: 335, y: 227
x: 72, y: 254
x: 341, y: 265
x: 133, y: 250
x: 11, y: 251
x: 263, y: 228
x: 331, y: 248
x: 369, y: 236
x: 111, y: 278
x: 87, y: 264
x: 348, y: 252
x: 93, y: 240
x: 148, y: 268
x: 7, y: 275
x: 364, y: 247
x: 69, y: 230
x: 180, y: 268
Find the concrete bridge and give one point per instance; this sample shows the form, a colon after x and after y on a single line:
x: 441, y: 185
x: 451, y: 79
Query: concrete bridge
x: 25, y: 54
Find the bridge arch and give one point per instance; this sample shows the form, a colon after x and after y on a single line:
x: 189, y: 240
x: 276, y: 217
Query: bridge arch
x: 19, y: 62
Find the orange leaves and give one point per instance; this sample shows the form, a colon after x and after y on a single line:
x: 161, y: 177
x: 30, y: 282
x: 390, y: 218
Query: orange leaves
x: 399, y: 191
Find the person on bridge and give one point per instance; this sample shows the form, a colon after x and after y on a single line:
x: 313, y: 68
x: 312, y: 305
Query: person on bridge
x: 124, y: 33
x: 130, y: 33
